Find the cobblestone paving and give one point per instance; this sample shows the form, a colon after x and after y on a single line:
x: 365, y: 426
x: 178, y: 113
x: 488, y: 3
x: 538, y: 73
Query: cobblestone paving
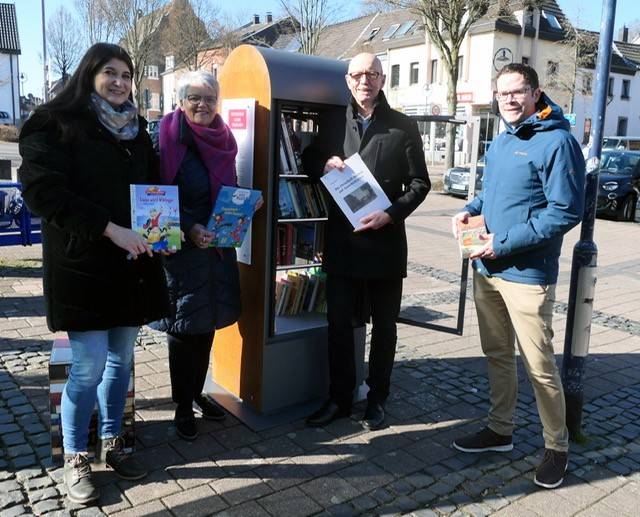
x: 408, y: 467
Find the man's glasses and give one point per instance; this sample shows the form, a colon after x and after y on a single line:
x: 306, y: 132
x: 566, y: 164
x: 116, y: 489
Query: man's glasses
x: 516, y: 94
x: 371, y: 76
x: 197, y: 99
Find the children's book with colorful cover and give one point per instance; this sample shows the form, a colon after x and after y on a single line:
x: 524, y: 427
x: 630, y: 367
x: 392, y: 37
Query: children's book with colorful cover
x: 232, y: 216
x: 155, y: 214
x: 469, y: 235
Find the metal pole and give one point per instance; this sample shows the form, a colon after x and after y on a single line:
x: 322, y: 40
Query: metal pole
x: 44, y: 55
x: 585, y: 252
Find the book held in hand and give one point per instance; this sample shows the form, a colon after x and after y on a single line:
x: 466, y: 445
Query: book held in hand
x: 469, y: 234
x: 231, y: 216
x: 155, y: 214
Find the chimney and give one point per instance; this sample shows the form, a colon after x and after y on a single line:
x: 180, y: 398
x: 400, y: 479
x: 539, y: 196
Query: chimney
x: 269, y: 17
x: 624, y: 34
x: 256, y: 19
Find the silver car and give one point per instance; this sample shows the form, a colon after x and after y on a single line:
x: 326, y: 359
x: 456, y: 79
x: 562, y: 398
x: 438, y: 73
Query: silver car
x: 455, y: 181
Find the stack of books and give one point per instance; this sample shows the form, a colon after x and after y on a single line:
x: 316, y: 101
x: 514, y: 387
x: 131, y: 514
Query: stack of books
x: 59, y: 366
x: 299, y: 243
x: 301, y: 292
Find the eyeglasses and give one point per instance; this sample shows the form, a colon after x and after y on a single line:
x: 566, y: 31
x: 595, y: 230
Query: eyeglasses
x: 516, y: 94
x: 197, y: 99
x: 371, y: 76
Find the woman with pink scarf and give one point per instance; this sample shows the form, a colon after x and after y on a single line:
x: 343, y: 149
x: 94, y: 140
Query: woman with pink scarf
x: 197, y: 153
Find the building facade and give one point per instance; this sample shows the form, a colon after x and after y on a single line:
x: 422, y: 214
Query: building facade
x: 9, y: 65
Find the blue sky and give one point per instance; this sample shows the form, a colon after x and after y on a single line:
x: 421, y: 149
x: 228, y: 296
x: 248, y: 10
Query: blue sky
x: 587, y: 13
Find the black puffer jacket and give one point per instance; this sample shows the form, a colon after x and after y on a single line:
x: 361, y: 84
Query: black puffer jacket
x: 77, y: 188
x: 204, y: 284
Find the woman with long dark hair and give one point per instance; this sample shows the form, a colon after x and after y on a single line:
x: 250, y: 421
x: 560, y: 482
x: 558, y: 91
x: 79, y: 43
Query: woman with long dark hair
x: 80, y: 153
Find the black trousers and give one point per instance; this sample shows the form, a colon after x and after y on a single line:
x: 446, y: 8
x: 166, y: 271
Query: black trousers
x: 188, y: 364
x: 349, y: 303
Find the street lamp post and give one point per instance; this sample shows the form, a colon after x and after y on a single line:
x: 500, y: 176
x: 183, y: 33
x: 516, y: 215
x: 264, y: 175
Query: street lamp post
x: 585, y: 252
x: 44, y: 55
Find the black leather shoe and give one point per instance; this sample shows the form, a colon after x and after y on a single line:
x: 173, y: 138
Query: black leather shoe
x: 209, y: 409
x: 373, y: 417
x: 185, y: 424
x: 329, y: 412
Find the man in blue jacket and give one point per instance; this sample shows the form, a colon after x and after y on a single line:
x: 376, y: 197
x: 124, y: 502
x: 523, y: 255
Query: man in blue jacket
x: 533, y: 193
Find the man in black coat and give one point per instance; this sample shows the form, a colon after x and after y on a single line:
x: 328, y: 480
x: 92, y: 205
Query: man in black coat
x: 365, y: 266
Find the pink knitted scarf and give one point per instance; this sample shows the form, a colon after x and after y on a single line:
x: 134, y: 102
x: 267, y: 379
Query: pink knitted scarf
x: 216, y: 145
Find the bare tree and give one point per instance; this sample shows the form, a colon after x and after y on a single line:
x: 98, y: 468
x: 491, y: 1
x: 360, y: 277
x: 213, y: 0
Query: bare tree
x: 375, y: 6
x: 446, y: 23
x: 224, y: 30
x: 187, y: 30
x: 136, y: 25
x: 310, y: 19
x: 95, y: 21
x: 64, y: 42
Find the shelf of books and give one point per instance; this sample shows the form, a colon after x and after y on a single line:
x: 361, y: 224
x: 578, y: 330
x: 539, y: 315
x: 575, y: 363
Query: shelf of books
x: 273, y: 363
x: 299, y: 292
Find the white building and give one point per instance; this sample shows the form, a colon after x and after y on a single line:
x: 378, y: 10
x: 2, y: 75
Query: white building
x: 9, y: 66
x: 416, y: 75
x: 622, y: 116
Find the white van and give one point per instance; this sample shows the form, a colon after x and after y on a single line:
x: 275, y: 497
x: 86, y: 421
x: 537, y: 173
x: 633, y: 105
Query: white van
x: 620, y: 143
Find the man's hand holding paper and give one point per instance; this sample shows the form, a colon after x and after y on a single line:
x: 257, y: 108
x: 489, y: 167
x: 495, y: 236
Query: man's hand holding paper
x: 357, y: 193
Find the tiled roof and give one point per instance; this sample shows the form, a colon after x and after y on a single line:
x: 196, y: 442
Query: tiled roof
x: 9, y: 40
x: 625, y: 57
x: 345, y: 39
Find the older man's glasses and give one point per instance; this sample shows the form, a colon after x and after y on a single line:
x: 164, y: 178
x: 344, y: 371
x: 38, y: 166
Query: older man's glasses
x: 195, y: 100
x: 370, y: 76
x: 514, y: 94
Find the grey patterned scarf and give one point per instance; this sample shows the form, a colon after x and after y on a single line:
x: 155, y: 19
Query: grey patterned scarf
x: 122, y: 122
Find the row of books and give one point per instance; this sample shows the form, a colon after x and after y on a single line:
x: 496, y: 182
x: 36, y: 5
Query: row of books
x: 298, y: 292
x: 299, y: 243
x: 301, y: 200
x: 290, y: 148
x: 59, y: 366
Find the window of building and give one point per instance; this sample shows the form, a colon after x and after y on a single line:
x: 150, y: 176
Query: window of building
x: 626, y: 86
x: 460, y: 67
x: 525, y: 60
x: 552, y: 72
x: 552, y: 20
x: 414, y: 72
x: 169, y: 62
x: 372, y: 34
x: 586, y: 131
x: 622, y: 126
x: 151, y: 71
x: 434, y: 71
x: 404, y: 28
x: 528, y: 18
x: 587, y: 84
x: 395, y: 76
x: 391, y: 31
x: 610, y: 87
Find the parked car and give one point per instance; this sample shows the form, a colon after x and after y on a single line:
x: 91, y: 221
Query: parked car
x: 4, y: 118
x: 455, y: 181
x: 619, y: 143
x: 619, y: 184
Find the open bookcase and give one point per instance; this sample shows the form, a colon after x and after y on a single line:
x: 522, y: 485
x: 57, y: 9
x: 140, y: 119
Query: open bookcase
x: 272, y: 364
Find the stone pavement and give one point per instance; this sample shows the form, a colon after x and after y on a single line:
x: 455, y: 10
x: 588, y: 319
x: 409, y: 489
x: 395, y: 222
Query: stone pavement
x: 439, y: 391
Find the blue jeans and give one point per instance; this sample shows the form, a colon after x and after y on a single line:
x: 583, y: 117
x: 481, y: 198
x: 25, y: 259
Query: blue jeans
x: 100, y: 370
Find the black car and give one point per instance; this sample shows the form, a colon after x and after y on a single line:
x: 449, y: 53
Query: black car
x: 153, y: 127
x: 619, y: 184
x: 455, y: 181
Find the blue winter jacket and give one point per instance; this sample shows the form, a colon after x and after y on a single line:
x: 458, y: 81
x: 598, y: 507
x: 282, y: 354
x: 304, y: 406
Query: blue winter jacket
x: 532, y: 194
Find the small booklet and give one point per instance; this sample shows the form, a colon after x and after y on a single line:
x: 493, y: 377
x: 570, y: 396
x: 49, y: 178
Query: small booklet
x: 355, y: 190
x: 155, y: 214
x: 231, y: 216
x: 469, y: 235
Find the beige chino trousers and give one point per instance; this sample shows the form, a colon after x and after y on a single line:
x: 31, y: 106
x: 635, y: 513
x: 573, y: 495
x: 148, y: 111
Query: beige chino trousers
x: 508, y: 311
